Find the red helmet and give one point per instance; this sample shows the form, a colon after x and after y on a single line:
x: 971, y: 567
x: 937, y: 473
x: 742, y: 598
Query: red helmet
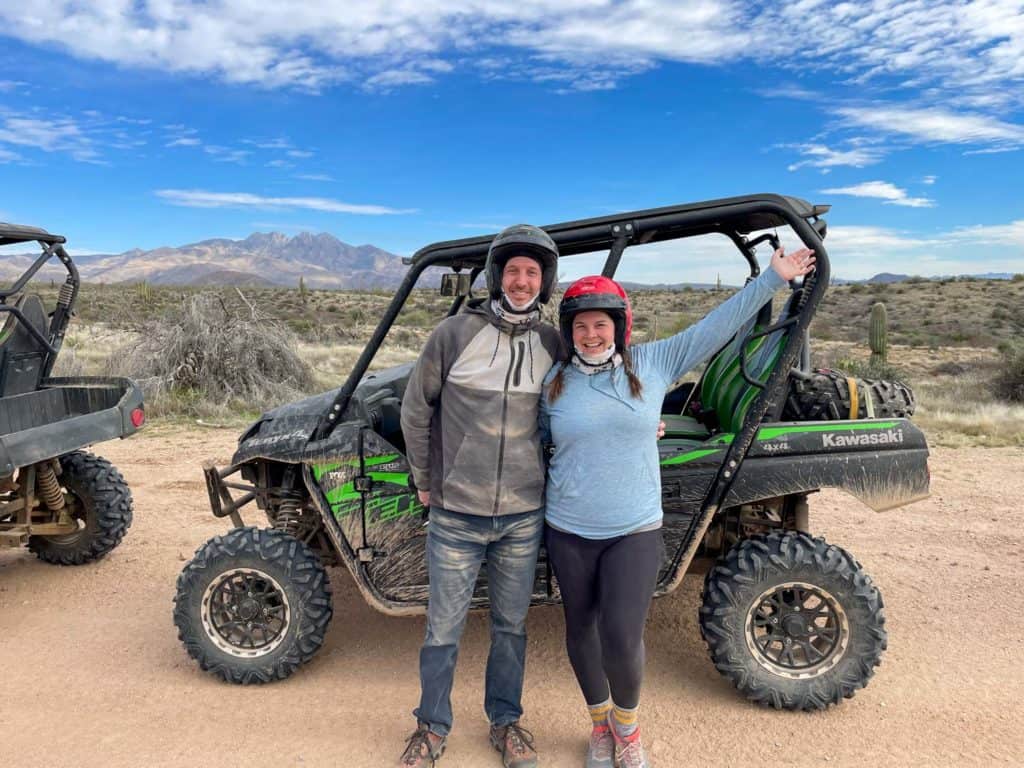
x: 596, y: 292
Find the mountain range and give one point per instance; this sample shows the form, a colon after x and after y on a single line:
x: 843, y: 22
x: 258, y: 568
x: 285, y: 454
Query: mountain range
x: 271, y: 258
x: 321, y: 260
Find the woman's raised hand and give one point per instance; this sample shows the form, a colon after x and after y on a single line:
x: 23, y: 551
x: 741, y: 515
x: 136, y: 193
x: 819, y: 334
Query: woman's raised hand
x: 794, y: 264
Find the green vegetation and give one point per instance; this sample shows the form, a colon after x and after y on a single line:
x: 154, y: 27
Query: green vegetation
x: 878, y: 336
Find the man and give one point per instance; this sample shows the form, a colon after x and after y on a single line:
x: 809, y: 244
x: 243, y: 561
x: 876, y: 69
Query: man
x: 469, y: 418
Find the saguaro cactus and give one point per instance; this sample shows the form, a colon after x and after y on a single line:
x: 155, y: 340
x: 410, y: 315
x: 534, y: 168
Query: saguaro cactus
x: 878, y: 334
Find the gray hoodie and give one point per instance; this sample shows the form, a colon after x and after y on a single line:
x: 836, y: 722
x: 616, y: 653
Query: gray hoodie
x: 469, y: 414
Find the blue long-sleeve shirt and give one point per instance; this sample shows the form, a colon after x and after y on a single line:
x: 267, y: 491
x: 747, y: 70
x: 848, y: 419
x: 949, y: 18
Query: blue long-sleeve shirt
x: 604, y: 479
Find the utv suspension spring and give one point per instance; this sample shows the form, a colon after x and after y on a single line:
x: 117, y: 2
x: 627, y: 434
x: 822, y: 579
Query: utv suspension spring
x: 67, y: 293
x: 49, y: 488
x: 289, y: 517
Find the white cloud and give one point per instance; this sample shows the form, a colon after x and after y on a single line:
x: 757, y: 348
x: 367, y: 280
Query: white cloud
x: 858, y: 252
x: 227, y: 154
x: 1003, y: 235
x: 300, y: 153
x: 57, y: 134
x: 929, y: 180
x: 932, y: 124
x: 279, y: 143
x: 198, y: 198
x: 882, y: 190
x: 973, y: 50
x: 393, y: 77
x: 821, y: 156
x: 184, y: 141
x: 7, y: 156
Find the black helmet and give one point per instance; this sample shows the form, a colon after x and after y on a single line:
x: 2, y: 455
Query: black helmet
x: 522, y: 240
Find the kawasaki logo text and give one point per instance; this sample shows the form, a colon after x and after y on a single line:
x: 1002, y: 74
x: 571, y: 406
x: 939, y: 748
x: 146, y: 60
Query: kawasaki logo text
x: 830, y: 440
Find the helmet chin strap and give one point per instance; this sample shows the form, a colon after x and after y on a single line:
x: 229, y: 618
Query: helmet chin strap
x: 511, y: 306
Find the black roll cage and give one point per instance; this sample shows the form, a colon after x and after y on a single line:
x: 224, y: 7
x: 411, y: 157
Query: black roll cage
x: 734, y: 217
x: 52, y: 245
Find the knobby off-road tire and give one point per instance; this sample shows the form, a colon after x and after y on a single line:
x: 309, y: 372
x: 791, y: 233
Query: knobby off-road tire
x: 252, y: 605
x: 793, y: 622
x: 825, y: 396
x: 100, y: 500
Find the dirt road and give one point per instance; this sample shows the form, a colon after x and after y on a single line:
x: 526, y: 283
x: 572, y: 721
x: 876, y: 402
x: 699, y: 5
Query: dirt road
x: 94, y: 675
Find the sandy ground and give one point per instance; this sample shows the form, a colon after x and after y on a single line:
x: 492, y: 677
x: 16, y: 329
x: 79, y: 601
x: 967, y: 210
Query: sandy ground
x: 94, y: 675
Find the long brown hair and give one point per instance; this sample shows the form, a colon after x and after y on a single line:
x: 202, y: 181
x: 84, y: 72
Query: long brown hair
x: 636, y: 387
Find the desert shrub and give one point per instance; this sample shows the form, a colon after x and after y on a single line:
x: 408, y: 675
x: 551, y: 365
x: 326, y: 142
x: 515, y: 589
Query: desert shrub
x: 949, y: 368
x: 203, y: 357
x: 868, y: 370
x: 1009, y: 382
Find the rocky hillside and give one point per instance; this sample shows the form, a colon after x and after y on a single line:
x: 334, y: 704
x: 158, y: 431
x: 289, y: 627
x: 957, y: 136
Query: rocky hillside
x: 321, y: 260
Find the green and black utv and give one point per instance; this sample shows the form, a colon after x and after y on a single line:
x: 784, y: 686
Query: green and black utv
x: 794, y: 622
x: 67, y: 505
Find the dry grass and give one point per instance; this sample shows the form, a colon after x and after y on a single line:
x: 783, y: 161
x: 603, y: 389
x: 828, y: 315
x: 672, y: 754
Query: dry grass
x: 955, y: 390
x: 331, y: 363
x: 931, y: 324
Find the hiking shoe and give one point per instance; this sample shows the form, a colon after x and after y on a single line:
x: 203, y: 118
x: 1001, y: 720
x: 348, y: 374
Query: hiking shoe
x: 629, y: 753
x: 602, y: 747
x: 515, y: 744
x: 422, y: 749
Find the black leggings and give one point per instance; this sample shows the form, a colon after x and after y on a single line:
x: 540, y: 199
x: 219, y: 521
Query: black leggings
x: 606, y: 587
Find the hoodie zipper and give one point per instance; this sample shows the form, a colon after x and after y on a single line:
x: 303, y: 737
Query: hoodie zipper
x: 504, y: 420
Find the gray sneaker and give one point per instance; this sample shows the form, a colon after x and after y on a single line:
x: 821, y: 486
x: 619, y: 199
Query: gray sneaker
x: 602, y: 747
x: 629, y: 752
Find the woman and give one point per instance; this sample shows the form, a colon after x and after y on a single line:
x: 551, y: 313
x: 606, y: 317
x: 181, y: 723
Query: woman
x: 600, y: 408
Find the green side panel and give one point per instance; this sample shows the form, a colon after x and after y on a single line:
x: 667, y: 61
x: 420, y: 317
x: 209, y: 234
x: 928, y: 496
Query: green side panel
x: 319, y: 470
x: 768, y: 433
x: 684, y: 458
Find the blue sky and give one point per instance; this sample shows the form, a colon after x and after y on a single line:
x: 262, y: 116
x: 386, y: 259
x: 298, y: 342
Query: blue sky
x: 140, y: 123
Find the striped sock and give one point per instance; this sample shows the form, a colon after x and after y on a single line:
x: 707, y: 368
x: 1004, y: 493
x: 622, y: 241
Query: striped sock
x: 599, y: 712
x: 626, y: 721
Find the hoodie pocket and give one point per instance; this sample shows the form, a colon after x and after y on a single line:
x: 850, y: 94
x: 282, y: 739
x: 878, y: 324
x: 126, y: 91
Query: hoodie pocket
x: 522, y: 473
x: 470, y: 477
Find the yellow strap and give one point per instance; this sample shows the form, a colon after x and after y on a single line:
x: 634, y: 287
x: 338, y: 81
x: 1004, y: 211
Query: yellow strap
x: 851, y: 383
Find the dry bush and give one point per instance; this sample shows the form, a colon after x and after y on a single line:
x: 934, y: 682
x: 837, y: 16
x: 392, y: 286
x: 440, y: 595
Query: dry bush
x: 1009, y: 382
x: 204, y: 357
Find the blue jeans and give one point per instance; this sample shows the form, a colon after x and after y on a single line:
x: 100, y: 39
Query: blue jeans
x: 456, y: 545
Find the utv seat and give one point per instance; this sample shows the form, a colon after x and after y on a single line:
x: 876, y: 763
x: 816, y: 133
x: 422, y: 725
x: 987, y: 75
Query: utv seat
x: 725, y: 395
x: 21, y: 355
